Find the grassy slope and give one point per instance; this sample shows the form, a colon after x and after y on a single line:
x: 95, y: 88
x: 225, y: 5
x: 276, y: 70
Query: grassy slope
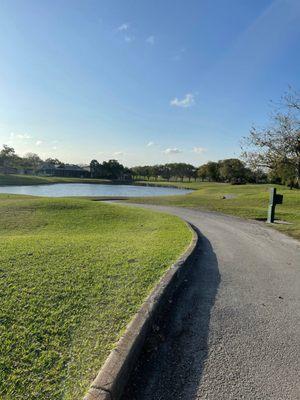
x: 72, y: 274
x: 249, y: 201
x: 10, y: 180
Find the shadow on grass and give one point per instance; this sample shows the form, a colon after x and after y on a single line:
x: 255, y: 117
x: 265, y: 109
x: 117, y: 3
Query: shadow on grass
x: 172, y: 361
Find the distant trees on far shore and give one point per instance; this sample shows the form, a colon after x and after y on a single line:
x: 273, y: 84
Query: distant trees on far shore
x: 111, y: 169
x: 230, y: 170
x: 165, y: 171
x: 10, y: 161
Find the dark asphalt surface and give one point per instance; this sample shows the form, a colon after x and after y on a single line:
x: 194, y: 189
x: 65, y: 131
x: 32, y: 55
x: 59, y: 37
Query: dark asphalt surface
x: 233, y: 330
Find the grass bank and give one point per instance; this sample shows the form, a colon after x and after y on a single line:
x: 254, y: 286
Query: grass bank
x: 247, y: 201
x: 12, y: 180
x: 72, y: 274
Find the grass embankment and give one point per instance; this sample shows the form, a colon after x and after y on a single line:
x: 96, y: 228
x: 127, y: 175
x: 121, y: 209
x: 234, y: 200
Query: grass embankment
x: 12, y: 180
x: 247, y: 201
x: 72, y: 274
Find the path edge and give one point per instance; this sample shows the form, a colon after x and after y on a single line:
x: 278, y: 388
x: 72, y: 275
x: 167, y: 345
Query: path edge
x: 115, y: 372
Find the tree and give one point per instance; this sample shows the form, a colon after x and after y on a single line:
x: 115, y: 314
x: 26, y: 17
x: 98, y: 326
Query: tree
x: 146, y: 172
x: 7, y: 153
x: 111, y: 169
x: 284, y: 174
x: 140, y: 171
x: 190, y: 172
x: 170, y: 170
x: 134, y: 172
x: 166, y: 172
x: 94, y: 168
x: 209, y: 171
x: 54, y: 161
x: 32, y: 161
x: 278, y: 145
x: 157, y: 171
x: 213, y: 171
x: 179, y: 170
x: 202, y: 172
x: 232, y: 170
x: 8, y: 158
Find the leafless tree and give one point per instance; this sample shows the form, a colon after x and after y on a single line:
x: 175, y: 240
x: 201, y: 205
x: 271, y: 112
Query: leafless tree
x: 278, y: 144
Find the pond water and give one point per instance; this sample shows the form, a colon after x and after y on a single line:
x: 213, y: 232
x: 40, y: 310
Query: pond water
x: 91, y: 189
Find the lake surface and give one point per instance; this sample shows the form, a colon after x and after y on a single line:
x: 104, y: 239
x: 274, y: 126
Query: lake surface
x: 91, y: 189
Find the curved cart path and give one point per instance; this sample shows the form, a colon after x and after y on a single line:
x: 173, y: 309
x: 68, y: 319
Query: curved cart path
x: 233, y: 331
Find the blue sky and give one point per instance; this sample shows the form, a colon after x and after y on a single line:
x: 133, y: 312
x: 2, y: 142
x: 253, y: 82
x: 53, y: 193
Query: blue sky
x: 142, y: 81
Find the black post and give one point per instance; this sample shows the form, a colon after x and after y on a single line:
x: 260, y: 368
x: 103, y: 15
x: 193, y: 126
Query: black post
x: 274, y: 199
x: 271, y: 210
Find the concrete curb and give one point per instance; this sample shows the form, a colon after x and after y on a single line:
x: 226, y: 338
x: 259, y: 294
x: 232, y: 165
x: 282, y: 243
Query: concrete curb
x: 114, y: 375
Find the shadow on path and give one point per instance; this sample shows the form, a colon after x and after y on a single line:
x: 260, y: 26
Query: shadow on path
x: 172, y: 362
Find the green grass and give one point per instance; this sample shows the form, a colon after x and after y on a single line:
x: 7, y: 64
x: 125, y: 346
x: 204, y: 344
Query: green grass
x: 183, y: 185
x: 11, y: 180
x: 72, y: 274
x: 248, y: 201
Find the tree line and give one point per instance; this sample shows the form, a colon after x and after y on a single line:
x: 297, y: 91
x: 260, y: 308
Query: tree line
x: 111, y: 169
x: 10, y: 160
x: 30, y: 162
x: 230, y: 170
x: 165, y: 171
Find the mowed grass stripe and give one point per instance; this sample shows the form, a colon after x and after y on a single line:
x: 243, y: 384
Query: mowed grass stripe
x: 72, y: 274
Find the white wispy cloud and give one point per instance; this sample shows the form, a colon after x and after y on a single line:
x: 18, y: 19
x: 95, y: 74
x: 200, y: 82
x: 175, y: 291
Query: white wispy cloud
x: 187, y: 101
x: 199, y: 150
x: 123, y: 27
x: 149, y: 144
x: 125, y: 30
x: 20, y: 136
x: 179, y: 54
x: 173, y: 150
x: 23, y: 136
x: 150, y: 40
x: 38, y: 142
x: 118, y: 153
x: 129, y: 39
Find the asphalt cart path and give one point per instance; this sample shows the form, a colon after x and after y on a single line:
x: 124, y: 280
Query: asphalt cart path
x: 233, y: 330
